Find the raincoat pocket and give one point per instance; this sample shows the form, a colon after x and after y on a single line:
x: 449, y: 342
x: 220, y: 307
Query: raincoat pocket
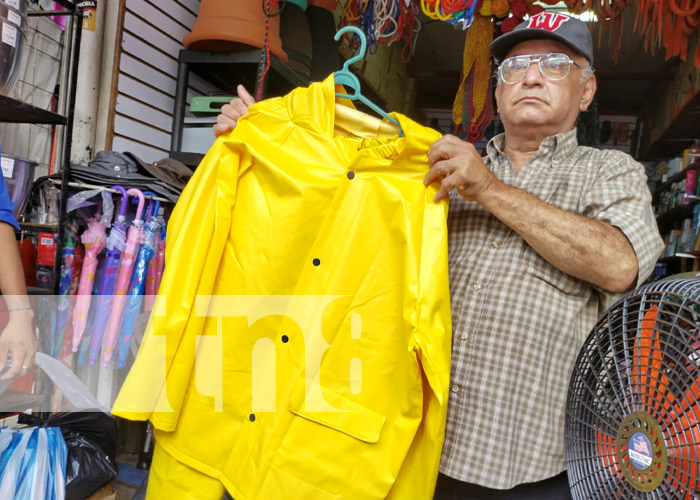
x: 323, y: 448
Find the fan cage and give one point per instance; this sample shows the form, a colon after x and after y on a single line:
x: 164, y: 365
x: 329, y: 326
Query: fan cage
x: 633, y: 408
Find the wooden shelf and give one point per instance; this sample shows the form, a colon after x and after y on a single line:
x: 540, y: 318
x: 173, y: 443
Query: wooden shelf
x: 35, y: 290
x: 675, y: 178
x: 14, y: 111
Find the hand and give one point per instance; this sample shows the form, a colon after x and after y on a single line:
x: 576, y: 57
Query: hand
x: 455, y: 164
x: 18, y: 338
x: 231, y: 113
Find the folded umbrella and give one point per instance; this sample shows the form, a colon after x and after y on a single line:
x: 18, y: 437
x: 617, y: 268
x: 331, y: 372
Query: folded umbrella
x: 133, y: 241
x: 116, y: 241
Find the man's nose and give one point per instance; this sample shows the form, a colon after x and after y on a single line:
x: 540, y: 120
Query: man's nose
x: 533, y: 75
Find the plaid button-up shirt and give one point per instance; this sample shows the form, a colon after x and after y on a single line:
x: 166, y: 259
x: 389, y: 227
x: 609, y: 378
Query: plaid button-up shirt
x: 519, y: 322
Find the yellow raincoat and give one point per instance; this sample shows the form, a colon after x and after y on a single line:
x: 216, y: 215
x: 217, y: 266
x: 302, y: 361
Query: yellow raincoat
x: 300, y: 345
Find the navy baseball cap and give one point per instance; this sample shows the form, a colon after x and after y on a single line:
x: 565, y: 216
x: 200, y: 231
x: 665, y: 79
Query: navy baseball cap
x: 550, y: 25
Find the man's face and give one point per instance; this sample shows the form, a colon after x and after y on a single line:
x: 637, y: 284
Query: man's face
x: 549, y: 106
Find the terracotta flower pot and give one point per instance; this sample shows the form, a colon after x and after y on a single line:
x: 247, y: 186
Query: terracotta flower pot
x: 224, y: 25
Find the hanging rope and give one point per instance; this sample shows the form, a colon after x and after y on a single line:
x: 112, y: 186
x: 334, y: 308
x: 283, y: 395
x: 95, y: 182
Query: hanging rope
x: 472, y: 111
x: 385, y: 22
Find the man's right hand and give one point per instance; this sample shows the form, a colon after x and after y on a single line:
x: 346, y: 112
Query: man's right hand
x: 231, y: 113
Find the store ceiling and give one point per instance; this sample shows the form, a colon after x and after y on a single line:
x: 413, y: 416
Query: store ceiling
x: 623, y: 86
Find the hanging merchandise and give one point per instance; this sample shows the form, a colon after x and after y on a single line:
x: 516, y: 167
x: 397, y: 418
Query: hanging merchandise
x: 155, y: 268
x: 94, y: 239
x: 63, y: 327
x: 116, y: 241
x: 133, y: 241
x: 472, y: 111
x: 138, y: 280
x: 384, y: 22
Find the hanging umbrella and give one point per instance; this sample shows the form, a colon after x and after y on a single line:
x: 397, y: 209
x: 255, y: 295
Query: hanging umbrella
x: 94, y: 239
x: 138, y: 280
x: 70, y: 239
x: 115, y: 245
x: 155, y: 268
x: 133, y: 241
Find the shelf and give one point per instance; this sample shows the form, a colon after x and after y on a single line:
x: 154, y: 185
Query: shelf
x: 227, y: 70
x: 32, y: 227
x: 683, y: 130
x: 35, y: 290
x: 676, y: 214
x: 14, y: 111
x: 675, y: 178
x: 192, y: 160
x: 12, y: 401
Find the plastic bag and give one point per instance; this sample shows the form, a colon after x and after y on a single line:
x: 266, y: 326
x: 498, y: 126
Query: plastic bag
x: 91, y: 441
x: 32, y: 464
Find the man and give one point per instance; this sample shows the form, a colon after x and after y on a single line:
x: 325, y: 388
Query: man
x: 18, y: 337
x: 543, y: 236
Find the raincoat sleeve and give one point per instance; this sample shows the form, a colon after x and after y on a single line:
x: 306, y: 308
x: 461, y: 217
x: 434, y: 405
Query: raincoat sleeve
x: 197, y: 233
x: 432, y: 344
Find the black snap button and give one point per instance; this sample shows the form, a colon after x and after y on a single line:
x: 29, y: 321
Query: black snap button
x: 351, y: 175
x: 285, y: 339
x: 317, y: 262
x: 251, y: 417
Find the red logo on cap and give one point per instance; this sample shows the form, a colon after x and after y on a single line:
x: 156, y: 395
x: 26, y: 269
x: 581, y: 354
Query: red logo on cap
x: 550, y: 21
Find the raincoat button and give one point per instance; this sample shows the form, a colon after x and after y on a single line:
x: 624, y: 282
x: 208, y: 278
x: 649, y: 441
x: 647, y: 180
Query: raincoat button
x: 317, y: 262
x: 351, y: 175
x: 251, y: 417
x: 285, y: 339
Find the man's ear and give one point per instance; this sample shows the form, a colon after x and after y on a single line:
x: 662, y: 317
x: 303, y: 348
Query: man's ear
x: 589, y: 88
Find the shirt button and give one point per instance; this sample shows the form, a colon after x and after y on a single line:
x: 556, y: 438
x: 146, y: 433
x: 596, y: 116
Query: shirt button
x: 476, y: 287
x: 507, y: 171
x: 494, y: 244
x: 464, y: 336
x: 455, y: 389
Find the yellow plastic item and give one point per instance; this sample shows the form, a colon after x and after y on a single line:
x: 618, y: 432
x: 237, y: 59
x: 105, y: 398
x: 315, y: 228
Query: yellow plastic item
x: 300, y: 343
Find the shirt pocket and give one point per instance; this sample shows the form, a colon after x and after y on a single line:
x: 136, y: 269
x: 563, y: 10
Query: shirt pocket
x: 323, y: 448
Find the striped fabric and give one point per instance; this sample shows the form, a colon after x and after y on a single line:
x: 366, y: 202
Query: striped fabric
x: 518, y: 322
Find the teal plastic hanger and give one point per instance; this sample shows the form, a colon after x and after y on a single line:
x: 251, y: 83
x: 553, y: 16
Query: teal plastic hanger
x: 349, y: 80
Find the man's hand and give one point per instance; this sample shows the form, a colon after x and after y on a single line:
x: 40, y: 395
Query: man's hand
x: 457, y: 165
x: 231, y: 113
x: 18, y: 339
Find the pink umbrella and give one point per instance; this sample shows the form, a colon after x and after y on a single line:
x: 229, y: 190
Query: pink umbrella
x: 133, y: 241
x: 155, y: 269
x: 93, y: 239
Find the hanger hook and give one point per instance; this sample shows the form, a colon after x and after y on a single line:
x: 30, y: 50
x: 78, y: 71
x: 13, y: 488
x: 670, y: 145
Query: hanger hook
x: 363, y: 44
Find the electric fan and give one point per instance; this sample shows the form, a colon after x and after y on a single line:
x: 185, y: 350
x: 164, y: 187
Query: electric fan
x: 633, y: 409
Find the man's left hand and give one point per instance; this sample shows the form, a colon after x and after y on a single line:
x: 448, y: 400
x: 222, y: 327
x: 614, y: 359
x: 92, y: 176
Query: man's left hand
x: 457, y: 165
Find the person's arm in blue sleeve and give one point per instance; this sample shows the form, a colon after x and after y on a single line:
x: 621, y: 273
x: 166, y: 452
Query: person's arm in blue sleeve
x: 18, y: 335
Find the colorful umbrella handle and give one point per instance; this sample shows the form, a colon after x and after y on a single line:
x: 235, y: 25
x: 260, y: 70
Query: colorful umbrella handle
x: 125, y: 200
x: 142, y: 201
x: 152, y: 212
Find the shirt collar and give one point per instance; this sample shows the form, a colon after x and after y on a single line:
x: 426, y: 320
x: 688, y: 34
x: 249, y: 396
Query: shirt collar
x: 562, y: 144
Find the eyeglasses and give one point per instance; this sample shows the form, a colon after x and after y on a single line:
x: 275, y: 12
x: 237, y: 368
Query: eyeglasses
x: 553, y: 66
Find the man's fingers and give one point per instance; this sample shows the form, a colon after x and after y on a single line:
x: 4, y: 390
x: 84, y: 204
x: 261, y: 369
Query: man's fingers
x: 243, y: 94
x: 437, y: 172
x: 238, y: 109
